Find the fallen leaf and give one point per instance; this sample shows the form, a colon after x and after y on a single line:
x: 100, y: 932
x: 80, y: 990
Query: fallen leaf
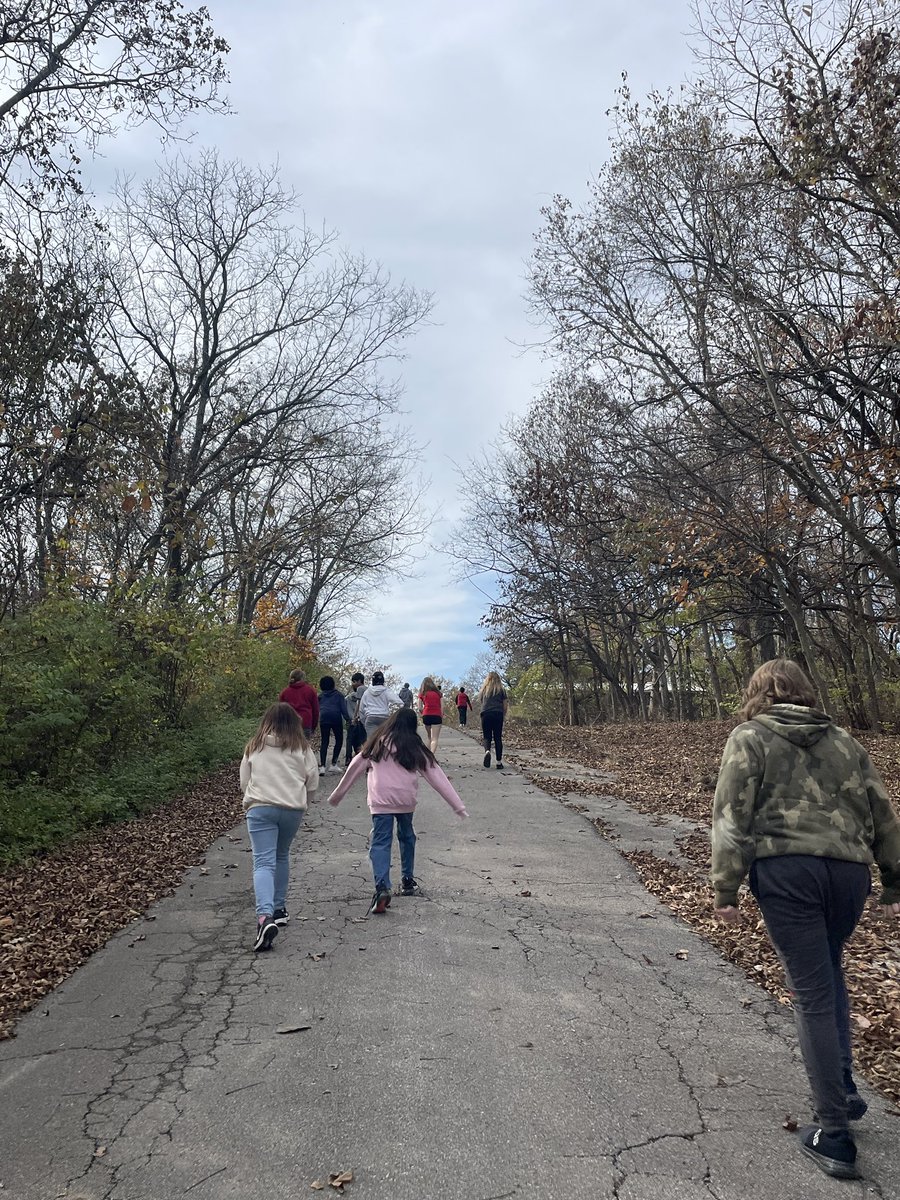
x: 99, y: 1152
x: 317, y: 1185
x: 682, y: 954
x: 790, y: 1124
x: 339, y: 1178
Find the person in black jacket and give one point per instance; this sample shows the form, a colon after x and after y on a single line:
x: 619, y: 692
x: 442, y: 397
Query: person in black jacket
x: 332, y: 715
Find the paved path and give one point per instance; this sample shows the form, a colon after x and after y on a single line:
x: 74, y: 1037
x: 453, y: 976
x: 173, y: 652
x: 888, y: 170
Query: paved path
x: 515, y: 1032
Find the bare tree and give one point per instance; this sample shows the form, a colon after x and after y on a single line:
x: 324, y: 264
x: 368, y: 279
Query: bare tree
x: 242, y: 336
x: 73, y: 71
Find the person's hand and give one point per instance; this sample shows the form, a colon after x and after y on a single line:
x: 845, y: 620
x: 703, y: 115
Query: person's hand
x: 729, y: 915
x: 891, y: 910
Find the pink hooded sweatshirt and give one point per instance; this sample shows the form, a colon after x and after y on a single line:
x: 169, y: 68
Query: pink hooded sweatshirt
x: 392, y: 789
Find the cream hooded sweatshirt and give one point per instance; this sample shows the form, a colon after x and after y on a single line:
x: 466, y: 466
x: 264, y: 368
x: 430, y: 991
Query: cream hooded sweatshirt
x: 279, y: 777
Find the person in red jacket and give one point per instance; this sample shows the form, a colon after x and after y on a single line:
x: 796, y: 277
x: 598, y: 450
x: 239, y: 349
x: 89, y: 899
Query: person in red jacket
x: 432, y: 711
x: 463, y: 704
x: 303, y: 699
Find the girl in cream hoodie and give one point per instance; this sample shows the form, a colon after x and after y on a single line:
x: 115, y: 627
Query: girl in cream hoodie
x: 278, y: 771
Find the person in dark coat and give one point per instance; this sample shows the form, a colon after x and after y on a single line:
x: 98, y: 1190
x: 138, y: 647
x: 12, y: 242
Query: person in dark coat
x: 333, y: 713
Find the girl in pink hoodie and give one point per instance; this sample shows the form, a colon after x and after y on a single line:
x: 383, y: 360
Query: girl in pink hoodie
x: 393, y: 759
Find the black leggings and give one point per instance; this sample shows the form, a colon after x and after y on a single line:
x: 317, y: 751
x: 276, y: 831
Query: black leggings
x: 492, y: 728
x: 327, y: 728
x: 462, y: 710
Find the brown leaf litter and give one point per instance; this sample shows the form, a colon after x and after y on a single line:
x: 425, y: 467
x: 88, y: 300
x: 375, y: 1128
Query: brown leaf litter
x: 61, y: 907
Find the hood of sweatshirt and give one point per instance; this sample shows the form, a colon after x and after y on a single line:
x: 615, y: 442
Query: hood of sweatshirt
x: 796, y: 724
x: 377, y: 688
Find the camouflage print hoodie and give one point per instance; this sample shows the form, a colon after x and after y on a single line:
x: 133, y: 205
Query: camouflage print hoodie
x: 793, y: 782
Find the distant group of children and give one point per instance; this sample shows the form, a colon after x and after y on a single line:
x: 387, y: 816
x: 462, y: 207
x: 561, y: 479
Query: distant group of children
x: 279, y: 771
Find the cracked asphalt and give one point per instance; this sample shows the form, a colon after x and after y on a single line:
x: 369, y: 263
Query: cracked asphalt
x: 522, y: 1029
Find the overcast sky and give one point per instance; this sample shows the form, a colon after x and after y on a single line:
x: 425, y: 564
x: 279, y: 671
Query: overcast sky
x: 430, y: 134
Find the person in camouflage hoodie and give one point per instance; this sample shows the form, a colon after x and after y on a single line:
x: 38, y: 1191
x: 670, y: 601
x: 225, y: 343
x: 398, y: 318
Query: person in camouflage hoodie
x: 800, y: 807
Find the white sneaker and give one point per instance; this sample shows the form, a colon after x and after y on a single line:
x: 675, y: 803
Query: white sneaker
x: 334, y: 769
x: 321, y: 770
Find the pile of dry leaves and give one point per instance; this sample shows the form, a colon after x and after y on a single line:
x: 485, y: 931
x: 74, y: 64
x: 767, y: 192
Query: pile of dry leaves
x: 671, y: 768
x: 60, y: 908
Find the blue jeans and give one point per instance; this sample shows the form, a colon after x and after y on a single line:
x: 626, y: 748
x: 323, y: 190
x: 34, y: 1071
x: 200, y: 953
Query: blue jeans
x: 271, y: 829
x: 382, y: 841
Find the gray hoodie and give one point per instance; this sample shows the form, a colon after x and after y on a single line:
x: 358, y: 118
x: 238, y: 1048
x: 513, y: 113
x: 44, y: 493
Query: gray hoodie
x: 353, y: 698
x: 377, y: 702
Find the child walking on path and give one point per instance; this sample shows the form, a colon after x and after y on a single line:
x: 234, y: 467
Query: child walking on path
x: 333, y: 713
x: 392, y: 761
x: 494, y: 705
x: 432, y: 711
x: 801, y: 807
x: 302, y: 698
x: 356, y: 732
x: 278, y: 771
x: 376, y: 703
x: 463, y: 704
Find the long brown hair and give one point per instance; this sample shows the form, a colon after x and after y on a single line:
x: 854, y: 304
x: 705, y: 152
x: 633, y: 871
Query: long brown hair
x: 428, y: 685
x: 398, y: 737
x: 282, y: 722
x: 778, y: 681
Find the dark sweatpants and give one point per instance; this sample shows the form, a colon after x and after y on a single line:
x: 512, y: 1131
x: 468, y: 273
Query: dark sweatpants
x: 492, y: 729
x: 329, y: 729
x: 356, y: 736
x: 811, y: 907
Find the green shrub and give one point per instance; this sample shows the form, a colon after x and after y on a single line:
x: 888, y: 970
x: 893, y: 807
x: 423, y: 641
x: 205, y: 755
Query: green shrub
x: 105, y: 713
x: 35, y: 816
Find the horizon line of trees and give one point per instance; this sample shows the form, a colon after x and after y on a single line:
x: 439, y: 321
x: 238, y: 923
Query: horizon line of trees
x: 711, y: 477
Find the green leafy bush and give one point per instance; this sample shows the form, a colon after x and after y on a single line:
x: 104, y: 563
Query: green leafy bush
x: 35, y: 817
x: 105, y: 713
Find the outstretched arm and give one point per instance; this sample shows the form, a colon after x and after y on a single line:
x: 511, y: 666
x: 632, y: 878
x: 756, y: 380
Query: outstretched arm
x: 358, y: 766
x: 442, y: 785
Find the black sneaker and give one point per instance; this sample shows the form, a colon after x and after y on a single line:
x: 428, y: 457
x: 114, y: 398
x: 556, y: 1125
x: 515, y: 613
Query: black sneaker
x: 280, y: 917
x: 833, y: 1153
x: 381, y: 901
x: 408, y: 886
x: 266, y: 932
x: 487, y: 759
x: 499, y: 766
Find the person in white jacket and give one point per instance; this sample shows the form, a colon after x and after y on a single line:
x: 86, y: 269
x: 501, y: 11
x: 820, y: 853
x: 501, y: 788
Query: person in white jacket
x: 377, y: 703
x: 278, y: 771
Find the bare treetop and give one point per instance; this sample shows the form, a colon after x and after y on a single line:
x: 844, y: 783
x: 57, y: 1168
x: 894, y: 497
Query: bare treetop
x: 73, y: 71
